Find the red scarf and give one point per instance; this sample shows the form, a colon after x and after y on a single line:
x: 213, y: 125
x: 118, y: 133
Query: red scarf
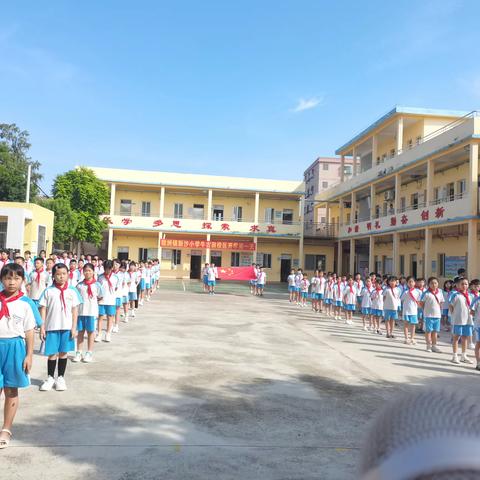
x: 351, y: 289
x: 107, y: 277
x: 62, y: 293
x: 474, y: 293
x: 4, y: 301
x: 358, y: 283
x: 39, y: 272
x: 434, y: 293
x: 378, y: 290
x: 410, y: 290
x: 393, y: 293
x: 70, y: 274
x: 467, y: 297
x: 89, y: 287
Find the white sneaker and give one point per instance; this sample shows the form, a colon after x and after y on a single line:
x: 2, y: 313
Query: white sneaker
x: 455, y: 359
x: 87, y: 358
x: 47, y: 385
x: 133, y: 315
x: 77, y: 357
x: 465, y: 359
x: 60, y: 384
x: 140, y: 303
x: 429, y: 348
x: 98, y: 338
x: 471, y: 346
x: 108, y: 337
x: 115, y: 329
x: 365, y: 328
x: 406, y: 342
x: 122, y: 314
x: 125, y: 320
x: 349, y: 322
x: 435, y: 349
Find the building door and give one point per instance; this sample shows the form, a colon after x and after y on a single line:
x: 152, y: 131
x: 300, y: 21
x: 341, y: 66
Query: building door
x: 195, y: 266
x: 413, y: 261
x: 285, y: 267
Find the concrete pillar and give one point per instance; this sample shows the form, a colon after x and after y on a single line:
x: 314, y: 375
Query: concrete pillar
x: 371, y: 254
x: 209, y: 205
x: 254, y: 253
x: 399, y: 135
x: 354, y: 208
x: 427, y: 267
x: 339, y: 257
x: 354, y: 163
x: 342, y: 169
x: 302, y: 230
x: 374, y: 150
x: 430, y: 174
x: 472, y: 260
x: 473, y: 181
x: 372, y: 201
x: 351, y: 267
x: 112, y: 200
x: 398, y: 188
x: 110, y: 243
x: 257, y: 207
x: 327, y: 214
x: 396, y: 254
x: 207, y: 251
x: 341, y: 219
x: 162, y: 202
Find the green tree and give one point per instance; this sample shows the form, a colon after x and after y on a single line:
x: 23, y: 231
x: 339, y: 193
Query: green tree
x: 65, y: 220
x: 88, y: 198
x: 14, y: 160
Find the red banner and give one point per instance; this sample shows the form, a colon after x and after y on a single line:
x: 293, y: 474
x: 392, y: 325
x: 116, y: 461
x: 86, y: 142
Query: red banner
x: 230, y: 245
x: 236, y: 273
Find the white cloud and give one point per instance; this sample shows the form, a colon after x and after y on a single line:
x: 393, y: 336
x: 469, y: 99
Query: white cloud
x: 307, y: 104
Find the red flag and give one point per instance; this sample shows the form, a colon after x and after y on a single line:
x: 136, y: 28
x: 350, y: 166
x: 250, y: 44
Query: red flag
x: 236, y: 273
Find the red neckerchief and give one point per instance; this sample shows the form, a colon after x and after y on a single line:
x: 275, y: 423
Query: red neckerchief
x: 351, y: 289
x: 467, y: 297
x: 358, y: 283
x: 89, y: 287
x: 474, y: 293
x: 434, y: 294
x: 70, y: 274
x: 110, y: 286
x: 4, y: 300
x: 378, y: 290
x: 62, y: 293
x: 393, y: 293
x: 39, y: 272
x: 410, y: 290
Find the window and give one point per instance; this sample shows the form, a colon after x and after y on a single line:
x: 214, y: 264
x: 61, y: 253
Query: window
x: 198, y: 211
x: 323, y: 219
x: 418, y: 140
x: 324, y: 184
x: 3, y: 234
x: 441, y: 264
x: 450, y: 191
x: 348, y: 169
x: 402, y: 264
x: 377, y: 211
x: 145, y: 209
x: 287, y: 215
x: 125, y: 207
x: 237, y: 214
x: 235, y: 259
x: 269, y: 215
x: 414, y: 201
x: 122, y: 253
x: 42, y: 238
x: 142, y: 254
x: 218, y: 212
x: 315, y: 262
x: 403, y: 204
x: 178, y: 210
x: 461, y: 187
x: 176, y: 257
x: 264, y: 259
x: 325, y: 166
x: 392, y: 153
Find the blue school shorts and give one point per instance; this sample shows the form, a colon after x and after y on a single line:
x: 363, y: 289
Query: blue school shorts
x: 118, y: 302
x: 132, y: 296
x: 412, y: 319
x: 420, y: 314
x: 12, y: 355
x: 297, y: 289
x: 107, y: 310
x: 350, y: 307
x: 142, y: 284
x: 376, y: 312
x: 205, y: 280
x: 463, y: 330
x: 477, y: 331
x: 211, y: 283
x: 432, y: 324
x: 445, y: 312
x: 366, y: 310
x: 319, y: 296
x: 87, y: 323
x: 59, y: 341
x: 390, y: 314
x: 359, y: 299
x: 328, y: 301
x: 260, y: 285
x: 304, y: 294
x: 147, y: 285
x: 291, y: 289
x: 124, y: 299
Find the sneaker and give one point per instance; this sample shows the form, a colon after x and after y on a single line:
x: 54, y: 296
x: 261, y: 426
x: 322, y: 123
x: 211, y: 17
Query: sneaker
x: 349, y: 322
x: 429, y: 348
x: 98, y: 338
x: 471, y: 346
x: 435, y: 349
x: 365, y: 328
x: 406, y: 342
x: 47, y: 385
x: 379, y: 332
x: 115, y: 329
x: 88, y: 357
x: 60, y: 384
x: 122, y: 315
x: 133, y: 315
x: 125, y: 320
x: 108, y: 337
x: 465, y: 359
x: 455, y: 359
x: 77, y: 357
x: 413, y: 342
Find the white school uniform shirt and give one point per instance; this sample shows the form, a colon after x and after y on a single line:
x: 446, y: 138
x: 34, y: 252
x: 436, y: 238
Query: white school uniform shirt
x: 262, y: 278
x: 109, y: 292
x: 75, y: 278
x: 298, y: 279
x: 305, y: 283
x: 211, y: 274
x: 29, y: 266
x: 329, y: 290
x: 134, y: 279
x: 358, y: 284
x: 432, y: 307
x: 409, y: 304
x: 349, y: 296
x: 321, y: 285
x: 89, y: 306
x: 366, y: 295
x: 98, y: 271
x: 391, y: 298
x: 291, y: 280
x: 337, y: 290
x: 476, y: 311
x: 59, y: 317
x: 460, y: 314
x: 126, y: 281
x: 377, y: 299
x: 120, y: 278
x: 37, y: 288
x: 21, y: 319
x: 313, y: 284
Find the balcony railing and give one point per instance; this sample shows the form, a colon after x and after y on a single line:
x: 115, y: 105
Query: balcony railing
x: 321, y: 230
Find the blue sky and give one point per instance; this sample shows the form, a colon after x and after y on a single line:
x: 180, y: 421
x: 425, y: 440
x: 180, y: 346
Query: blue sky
x: 253, y: 87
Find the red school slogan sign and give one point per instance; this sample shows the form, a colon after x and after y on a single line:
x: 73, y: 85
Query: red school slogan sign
x: 220, y: 245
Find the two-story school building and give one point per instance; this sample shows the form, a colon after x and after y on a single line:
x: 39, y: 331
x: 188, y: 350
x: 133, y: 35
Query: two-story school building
x: 411, y: 206
x: 186, y: 220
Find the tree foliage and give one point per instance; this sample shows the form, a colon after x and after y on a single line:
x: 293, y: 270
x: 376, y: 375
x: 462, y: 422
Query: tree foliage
x: 66, y: 220
x: 88, y: 198
x: 14, y: 160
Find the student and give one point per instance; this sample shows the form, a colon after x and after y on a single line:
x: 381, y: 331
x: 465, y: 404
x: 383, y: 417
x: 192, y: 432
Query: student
x: 261, y: 281
x: 476, y: 321
x: 377, y: 305
x: 21, y: 261
x: 143, y: 275
x: 421, y: 286
x: 321, y: 290
x: 212, y: 279
x: 16, y: 343
x: 124, y: 290
x: 205, y: 280
x: 73, y: 276
x: 49, y: 264
x: 148, y: 280
x: 59, y: 310
x: 358, y: 289
x: 90, y: 292
x: 39, y: 280
x: 410, y: 299
x: 4, y: 258
x: 304, y: 286
x: 474, y: 290
x: 349, y: 300
x: 313, y: 287
x: 447, y: 290
x: 460, y: 312
x: 431, y: 303
x: 329, y: 296
x: 391, y: 302
x: 107, y: 304
x: 366, y: 304
x: 291, y: 286
x: 253, y: 282
x: 337, y: 298
x: 118, y: 293
x: 132, y: 289
x: 29, y: 264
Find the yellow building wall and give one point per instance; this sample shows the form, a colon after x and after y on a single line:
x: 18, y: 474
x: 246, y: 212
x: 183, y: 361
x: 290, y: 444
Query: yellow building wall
x: 412, y: 132
x: 134, y: 242
x: 228, y: 202
x: 327, y: 250
x: 276, y: 249
x: 137, y: 197
x: 278, y: 205
x: 431, y: 124
x: 187, y: 200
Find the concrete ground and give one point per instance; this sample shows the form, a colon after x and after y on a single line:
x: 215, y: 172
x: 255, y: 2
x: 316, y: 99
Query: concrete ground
x: 219, y: 387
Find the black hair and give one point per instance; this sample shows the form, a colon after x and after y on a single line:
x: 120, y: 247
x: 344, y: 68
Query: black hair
x: 461, y: 271
x: 133, y: 264
x: 40, y: 259
x: 11, y: 269
x: 18, y: 257
x: 411, y: 277
x: 73, y: 260
x: 57, y: 267
x: 475, y: 281
x: 89, y: 265
x: 107, y: 265
x: 432, y: 278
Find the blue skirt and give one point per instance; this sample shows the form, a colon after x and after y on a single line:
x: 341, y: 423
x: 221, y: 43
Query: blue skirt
x: 59, y: 341
x: 12, y: 355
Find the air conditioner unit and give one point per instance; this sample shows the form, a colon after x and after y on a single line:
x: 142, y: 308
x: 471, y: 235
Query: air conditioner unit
x: 389, y: 195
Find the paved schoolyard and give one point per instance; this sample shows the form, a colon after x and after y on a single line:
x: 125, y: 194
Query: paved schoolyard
x: 225, y: 387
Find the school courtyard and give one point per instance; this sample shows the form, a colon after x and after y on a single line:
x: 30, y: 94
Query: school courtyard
x: 220, y: 387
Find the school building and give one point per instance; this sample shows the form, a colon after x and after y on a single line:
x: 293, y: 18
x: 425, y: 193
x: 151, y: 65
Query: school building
x: 411, y: 205
x: 186, y: 220
x: 25, y: 226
